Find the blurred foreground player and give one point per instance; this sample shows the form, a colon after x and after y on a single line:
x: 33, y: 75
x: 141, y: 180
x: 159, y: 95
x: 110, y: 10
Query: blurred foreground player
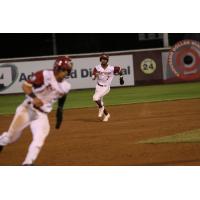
x: 42, y: 90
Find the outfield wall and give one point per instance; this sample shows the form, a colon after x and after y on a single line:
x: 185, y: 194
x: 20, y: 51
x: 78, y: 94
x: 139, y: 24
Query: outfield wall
x: 140, y: 67
x: 152, y: 67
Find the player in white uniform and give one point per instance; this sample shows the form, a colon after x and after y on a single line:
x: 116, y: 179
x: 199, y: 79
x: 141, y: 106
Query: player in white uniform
x: 104, y: 74
x: 42, y: 90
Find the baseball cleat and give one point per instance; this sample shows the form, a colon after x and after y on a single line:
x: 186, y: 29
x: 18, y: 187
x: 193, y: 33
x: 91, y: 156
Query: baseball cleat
x: 101, y: 112
x: 1, y: 148
x: 106, y: 117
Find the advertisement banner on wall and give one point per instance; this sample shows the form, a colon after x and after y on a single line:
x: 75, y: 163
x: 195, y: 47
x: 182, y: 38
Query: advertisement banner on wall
x: 182, y: 62
x: 13, y: 74
x: 147, y: 67
x: 167, y: 72
x: 168, y: 75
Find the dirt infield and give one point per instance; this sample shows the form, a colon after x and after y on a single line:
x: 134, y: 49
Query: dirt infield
x: 83, y: 140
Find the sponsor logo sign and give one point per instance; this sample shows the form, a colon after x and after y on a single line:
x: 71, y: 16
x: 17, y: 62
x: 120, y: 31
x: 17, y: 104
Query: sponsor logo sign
x: 184, y: 60
x: 8, y: 76
x: 148, y: 66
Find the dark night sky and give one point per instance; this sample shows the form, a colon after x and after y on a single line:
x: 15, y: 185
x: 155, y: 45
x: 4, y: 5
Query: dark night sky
x: 23, y: 45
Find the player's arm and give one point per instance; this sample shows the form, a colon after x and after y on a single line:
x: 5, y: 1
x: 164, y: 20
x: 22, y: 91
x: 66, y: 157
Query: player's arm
x: 27, y: 87
x: 95, y: 74
x: 118, y: 70
x: 59, y: 111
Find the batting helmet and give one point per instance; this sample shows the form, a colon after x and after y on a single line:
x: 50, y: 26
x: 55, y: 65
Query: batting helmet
x: 63, y: 63
x: 104, y: 56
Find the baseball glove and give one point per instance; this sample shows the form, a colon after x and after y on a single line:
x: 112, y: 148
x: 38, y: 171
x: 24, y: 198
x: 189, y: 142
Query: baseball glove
x: 121, y: 80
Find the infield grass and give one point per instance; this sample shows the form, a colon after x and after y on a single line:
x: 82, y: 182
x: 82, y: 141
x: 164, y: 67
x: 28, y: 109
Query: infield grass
x: 117, y: 96
x: 192, y: 136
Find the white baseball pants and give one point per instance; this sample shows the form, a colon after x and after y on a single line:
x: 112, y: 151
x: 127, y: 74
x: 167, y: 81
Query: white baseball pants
x: 100, y: 92
x: 39, y: 125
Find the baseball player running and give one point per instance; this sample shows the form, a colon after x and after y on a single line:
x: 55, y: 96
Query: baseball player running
x: 42, y: 90
x: 104, y: 74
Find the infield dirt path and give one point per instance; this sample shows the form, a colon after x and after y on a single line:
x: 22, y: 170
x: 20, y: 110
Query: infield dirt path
x: 84, y: 140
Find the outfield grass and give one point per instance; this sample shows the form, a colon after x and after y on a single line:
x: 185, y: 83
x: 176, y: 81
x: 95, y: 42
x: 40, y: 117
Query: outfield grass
x: 117, y: 96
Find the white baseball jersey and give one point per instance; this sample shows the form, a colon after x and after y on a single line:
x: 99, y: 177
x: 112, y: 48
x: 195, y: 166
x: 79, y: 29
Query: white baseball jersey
x: 105, y: 75
x: 46, y: 88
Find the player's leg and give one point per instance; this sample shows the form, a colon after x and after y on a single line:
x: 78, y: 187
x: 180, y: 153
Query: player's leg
x: 97, y: 99
x: 40, y: 129
x: 20, y: 121
x: 96, y: 96
x: 105, y: 111
x: 102, y: 110
x: 101, y: 107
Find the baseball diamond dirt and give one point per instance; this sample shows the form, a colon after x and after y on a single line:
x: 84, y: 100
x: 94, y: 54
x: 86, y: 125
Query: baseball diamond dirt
x: 83, y: 140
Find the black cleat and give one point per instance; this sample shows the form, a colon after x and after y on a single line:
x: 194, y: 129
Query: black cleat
x: 1, y: 148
